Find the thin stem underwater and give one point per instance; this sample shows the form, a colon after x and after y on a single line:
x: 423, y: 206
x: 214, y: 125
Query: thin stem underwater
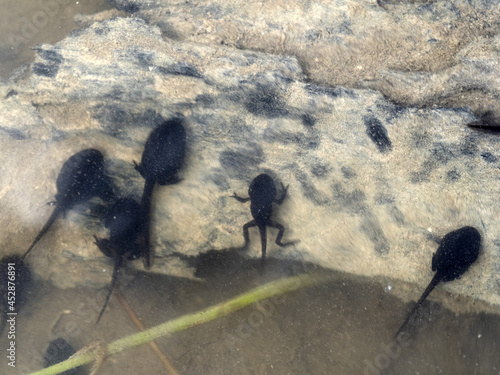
x: 260, y: 293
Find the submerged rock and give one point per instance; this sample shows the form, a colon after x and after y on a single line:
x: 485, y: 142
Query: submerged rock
x: 420, y: 53
x: 372, y: 183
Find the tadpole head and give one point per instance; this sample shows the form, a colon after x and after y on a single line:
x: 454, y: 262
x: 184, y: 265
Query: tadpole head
x: 262, y: 186
x: 459, y: 249
x: 82, y: 177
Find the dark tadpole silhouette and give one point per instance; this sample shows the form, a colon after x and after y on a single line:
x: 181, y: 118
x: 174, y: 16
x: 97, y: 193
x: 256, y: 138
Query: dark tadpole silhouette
x: 80, y: 179
x: 16, y: 275
x: 161, y: 160
x: 457, y: 251
x: 262, y: 194
x: 123, y: 222
x: 60, y: 350
x: 487, y: 121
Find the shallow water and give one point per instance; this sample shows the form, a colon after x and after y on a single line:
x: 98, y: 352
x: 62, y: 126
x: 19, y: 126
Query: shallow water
x: 23, y: 25
x: 344, y: 327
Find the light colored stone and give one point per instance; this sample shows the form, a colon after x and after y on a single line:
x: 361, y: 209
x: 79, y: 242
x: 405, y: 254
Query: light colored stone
x: 418, y: 53
x: 356, y: 205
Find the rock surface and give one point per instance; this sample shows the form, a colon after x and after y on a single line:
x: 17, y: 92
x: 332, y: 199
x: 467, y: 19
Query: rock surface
x: 419, y: 53
x: 369, y: 179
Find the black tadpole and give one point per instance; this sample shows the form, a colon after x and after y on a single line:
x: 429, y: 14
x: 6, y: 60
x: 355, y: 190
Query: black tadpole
x: 487, y: 121
x: 116, y: 268
x: 60, y: 350
x: 161, y: 160
x: 80, y: 179
x: 456, y: 253
x: 123, y: 222
x: 262, y: 194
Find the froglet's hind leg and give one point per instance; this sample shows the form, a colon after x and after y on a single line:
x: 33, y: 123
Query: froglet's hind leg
x: 246, y: 235
x: 281, y: 229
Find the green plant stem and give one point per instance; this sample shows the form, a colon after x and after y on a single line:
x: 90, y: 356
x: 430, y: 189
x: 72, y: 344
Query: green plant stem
x: 184, y: 322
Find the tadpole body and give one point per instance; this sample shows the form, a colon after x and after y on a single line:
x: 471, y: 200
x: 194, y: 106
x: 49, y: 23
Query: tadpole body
x: 162, y: 158
x: 123, y: 222
x: 60, y: 350
x: 262, y: 194
x: 458, y: 250
x: 80, y: 179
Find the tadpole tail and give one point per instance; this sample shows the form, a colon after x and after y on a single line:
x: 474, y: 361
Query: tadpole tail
x: 263, y: 241
x: 145, y: 219
x: 435, y: 281
x: 44, y: 230
x: 118, y: 264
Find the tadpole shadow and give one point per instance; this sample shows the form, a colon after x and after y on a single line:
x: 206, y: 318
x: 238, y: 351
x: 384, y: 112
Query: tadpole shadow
x: 216, y: 263
x: 232, y: 262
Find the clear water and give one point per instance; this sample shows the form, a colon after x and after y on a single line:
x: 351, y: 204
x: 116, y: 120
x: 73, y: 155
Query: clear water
x: 24, y: 24
x: 343, y: 327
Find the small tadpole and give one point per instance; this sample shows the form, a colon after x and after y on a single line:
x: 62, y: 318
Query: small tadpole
x: 487, y: 122
x: 60, y: 350
x: 458, y: 250
x: 123, y: 222
x: 81, y: 178
x: 262, y: 194
x: 162, y: 159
